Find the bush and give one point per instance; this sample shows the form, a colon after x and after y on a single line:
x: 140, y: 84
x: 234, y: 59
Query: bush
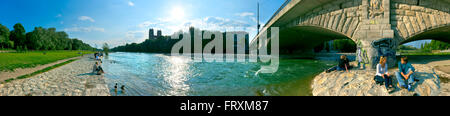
x: 10, y: 44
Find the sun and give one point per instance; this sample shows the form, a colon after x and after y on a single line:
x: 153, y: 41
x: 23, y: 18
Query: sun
x: 177, y: 13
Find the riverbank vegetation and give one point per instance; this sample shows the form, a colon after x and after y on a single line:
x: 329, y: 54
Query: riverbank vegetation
x: 433, y: 47
x: 14, y: 60
x: 21, y: 49
x: 38, y: 39
x: 106, y: 48
x: 340, y: 45
x: 164, y: 44
x: 161, y: 44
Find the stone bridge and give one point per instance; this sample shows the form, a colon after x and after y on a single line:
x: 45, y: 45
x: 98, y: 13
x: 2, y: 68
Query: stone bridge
x: 378, y: 26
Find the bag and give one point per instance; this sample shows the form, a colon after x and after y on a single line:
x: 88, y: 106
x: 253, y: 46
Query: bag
x: 378, y: 80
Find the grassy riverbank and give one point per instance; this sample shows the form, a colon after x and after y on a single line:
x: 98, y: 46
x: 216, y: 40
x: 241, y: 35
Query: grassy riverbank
x: 14, y: 60
x: 41, y: 71
x: 427, y: 54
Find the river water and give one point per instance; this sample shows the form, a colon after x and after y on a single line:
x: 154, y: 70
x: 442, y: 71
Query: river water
x: 145, y: 74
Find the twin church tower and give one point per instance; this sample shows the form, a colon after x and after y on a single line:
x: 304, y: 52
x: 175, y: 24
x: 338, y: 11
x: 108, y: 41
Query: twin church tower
x: 151, y: 34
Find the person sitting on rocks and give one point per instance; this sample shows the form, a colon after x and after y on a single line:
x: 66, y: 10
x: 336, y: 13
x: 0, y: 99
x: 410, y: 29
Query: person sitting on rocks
x: 94, y: 68
x: 95, y: 56
x: 405, y: 75
x: 98, y: 69
x: 343, y: 65
x: 383, y: 74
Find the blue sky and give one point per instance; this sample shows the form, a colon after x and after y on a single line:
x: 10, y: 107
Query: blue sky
x: 118, y: 22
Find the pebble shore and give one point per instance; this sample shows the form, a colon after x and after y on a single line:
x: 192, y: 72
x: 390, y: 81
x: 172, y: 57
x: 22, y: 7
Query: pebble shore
x: 73, y: 79
x: 361, y: 83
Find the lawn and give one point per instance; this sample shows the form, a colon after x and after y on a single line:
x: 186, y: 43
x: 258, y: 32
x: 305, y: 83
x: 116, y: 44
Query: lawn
x: 14, y: 60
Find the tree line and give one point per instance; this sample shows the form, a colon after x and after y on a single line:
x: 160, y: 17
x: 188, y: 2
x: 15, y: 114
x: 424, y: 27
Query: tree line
x: 434, y: 45
x: 161, y: 44
x: 164, y: 44
x: 39, y: 39
x: 341, y: 45
x: 346, y: 45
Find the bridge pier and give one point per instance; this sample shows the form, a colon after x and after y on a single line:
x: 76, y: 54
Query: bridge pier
x: 373, y: 50
x: 380, y: 25
x: 375, y: 32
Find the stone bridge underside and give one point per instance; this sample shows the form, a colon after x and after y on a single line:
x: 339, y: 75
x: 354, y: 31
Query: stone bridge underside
x: 378, y: 25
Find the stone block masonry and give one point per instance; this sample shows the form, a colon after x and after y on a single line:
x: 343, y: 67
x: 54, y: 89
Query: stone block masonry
x: 379, y: 25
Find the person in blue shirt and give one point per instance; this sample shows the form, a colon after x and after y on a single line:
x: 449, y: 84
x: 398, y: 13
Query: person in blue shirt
x: 405, y: 75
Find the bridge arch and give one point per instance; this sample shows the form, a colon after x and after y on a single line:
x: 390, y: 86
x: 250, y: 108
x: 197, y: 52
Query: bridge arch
x: 440, y: 33
x: 306, y: 37
x: 379, y: 25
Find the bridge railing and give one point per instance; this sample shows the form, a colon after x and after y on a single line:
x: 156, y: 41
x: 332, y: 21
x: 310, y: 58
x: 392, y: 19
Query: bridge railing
x: 278, y: 11
x: 275, y: 14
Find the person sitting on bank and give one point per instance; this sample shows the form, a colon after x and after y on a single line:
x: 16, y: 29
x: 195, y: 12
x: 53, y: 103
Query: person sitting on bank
x: 94, y: 68
x: 98, y: 69
x: 405, y: 74
x: 95, y: 55
x: 343, y: 65
x: 383, y: 74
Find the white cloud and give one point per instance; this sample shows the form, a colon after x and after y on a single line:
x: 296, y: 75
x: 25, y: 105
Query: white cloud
x: 86, y: 18
x: 170, y: 26
x: 135, y: 34
x: 130, y: 3
x: 218, y: 24
x: 254, y: 19
x: 245, y: 14
x: 59, y: 15
x: 84, y: 29
x: 146, y: 24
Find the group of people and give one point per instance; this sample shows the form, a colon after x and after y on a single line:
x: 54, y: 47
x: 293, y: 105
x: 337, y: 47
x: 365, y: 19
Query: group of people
x: 404, y: 75
x: 97, y: 69
x: 98, y: 56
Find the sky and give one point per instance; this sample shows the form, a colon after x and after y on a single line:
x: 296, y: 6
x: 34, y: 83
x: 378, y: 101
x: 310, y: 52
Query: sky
x: 118, y: 22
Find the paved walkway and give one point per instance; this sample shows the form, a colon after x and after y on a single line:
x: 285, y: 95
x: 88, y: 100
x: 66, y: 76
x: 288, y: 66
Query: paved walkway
x: 5, y: 75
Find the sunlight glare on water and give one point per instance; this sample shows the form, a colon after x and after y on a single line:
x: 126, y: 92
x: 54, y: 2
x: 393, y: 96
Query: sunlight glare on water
x: 145, y: 74
x: 176, y: 77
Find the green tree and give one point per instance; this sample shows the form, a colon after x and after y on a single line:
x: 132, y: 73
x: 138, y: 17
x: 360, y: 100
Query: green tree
x: 106, y: 48
x: 62, y: 40
x: 18, y: 35
x: 4, y: 36
x: 344, y: 45
x: 36, y: 38
x: 434, y: 45
x: 39, y: 39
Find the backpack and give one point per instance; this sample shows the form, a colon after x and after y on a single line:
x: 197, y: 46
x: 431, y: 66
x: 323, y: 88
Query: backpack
x: 378, y: 80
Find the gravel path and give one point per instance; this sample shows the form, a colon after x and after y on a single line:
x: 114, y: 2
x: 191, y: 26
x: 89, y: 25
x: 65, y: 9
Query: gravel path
x: 73, y: 79
x: 23, y: 71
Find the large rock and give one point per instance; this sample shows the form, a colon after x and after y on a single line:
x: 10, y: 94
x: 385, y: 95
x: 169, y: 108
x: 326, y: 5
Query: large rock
x: 360, y: 83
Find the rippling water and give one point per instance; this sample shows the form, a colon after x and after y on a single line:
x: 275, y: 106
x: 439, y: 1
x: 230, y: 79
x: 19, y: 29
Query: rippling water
x: 145, y: 74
